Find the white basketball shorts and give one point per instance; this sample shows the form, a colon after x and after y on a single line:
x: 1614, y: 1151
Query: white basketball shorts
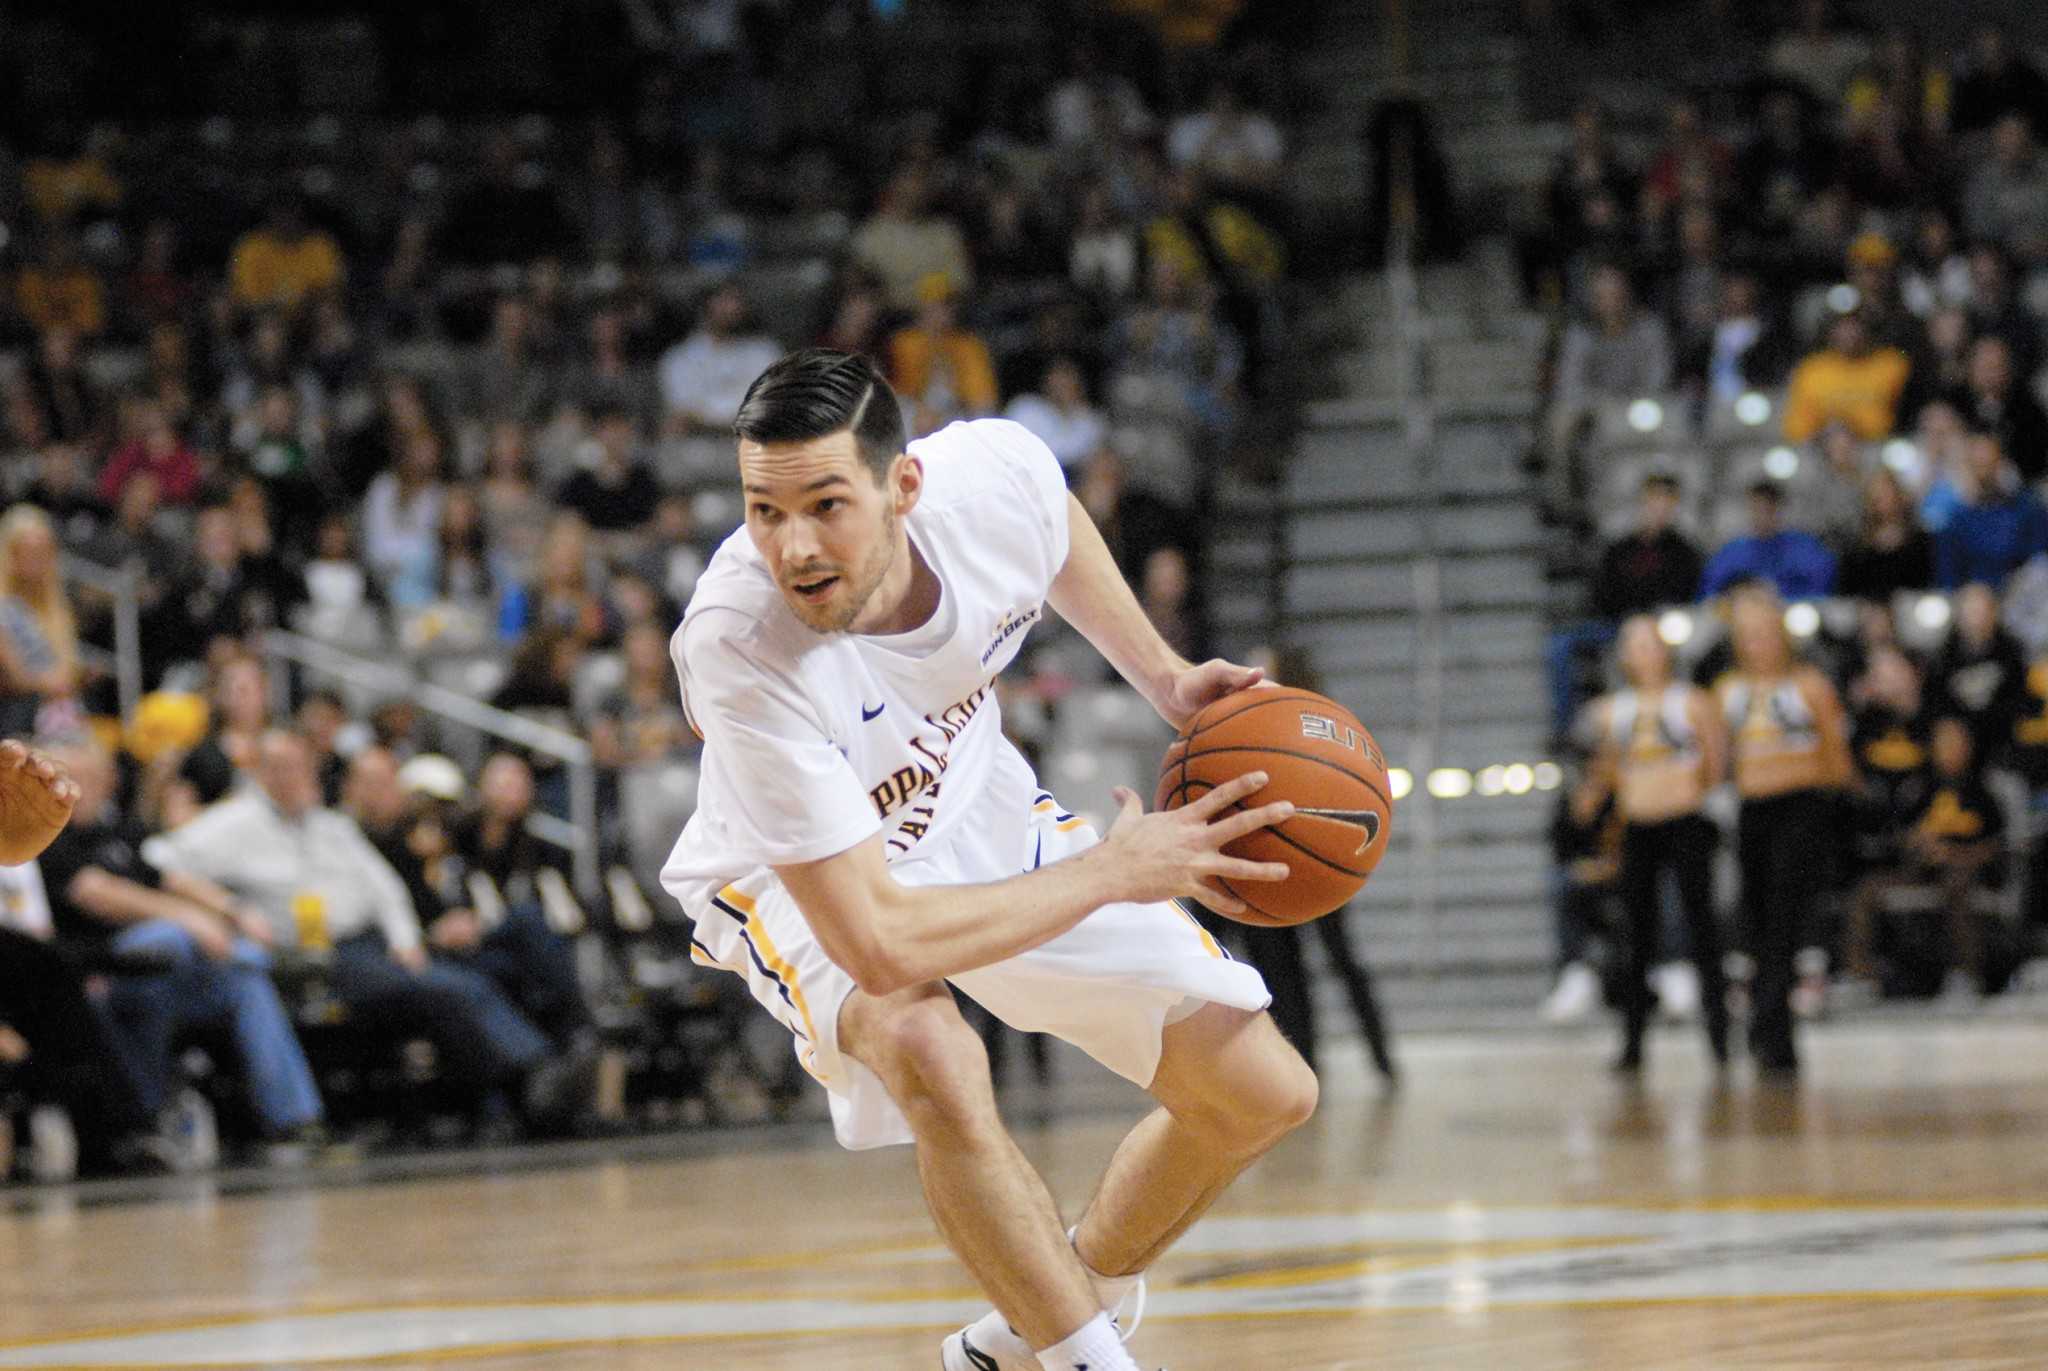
x: 1110, y: 985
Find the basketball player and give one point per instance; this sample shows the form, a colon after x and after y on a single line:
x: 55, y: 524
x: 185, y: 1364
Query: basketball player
x: 36, y: 799
x: 1791, y: 750
x: 1664, y: 744
x: 864, y: 835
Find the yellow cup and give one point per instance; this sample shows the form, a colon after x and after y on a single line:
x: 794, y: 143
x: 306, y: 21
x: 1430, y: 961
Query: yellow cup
x: 309, y: 916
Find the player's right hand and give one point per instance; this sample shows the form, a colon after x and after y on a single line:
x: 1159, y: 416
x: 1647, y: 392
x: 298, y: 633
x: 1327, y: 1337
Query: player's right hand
x: 1176, y: 853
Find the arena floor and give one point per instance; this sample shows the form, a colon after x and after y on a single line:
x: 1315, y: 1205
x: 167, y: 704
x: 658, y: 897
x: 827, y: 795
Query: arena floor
x: 1512, y: 1208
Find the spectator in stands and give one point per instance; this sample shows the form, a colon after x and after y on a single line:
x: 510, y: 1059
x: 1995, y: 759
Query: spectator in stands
x: 522, y: 953
x: 1998, y: 400
x: 56, y: 384
x: 642, y: 721
x: 1226, y: 141
x: 60, y: 290
x: 321, y: 718
x: 63, y: 489
x: 565, y: 594
x: 615, y: 493
x: 39, y: 668
x: 1979, y: 676
x: 1591, y: 194
x: 1790, y: 754
x: 1996, y: 308
x: 1871, y: 267
x: 1620, y: 353
x: 1891, y: 552
x: 1848, y: 380
x: 402, y: 521
x: 465, y: 590
x: 1134, y: 522
x: 1955, y: 840
x: 1792, y: 561
x: 942, y: 371
x: 241, y: 711
x: 1651, y: 568
x: 157, y: 449
x: 1102, y: 251
x: 1829, y: 502
x: 1666, y: 745
x: 1173, y: 335
x: 1936, y: 272
x: 857, y: 319
x: 1585, y: 844
x: 1997, y: 81
x: 223, y: 594
x: 1093, y: 108
x: 1693, y: 167
x: 1817, y: 54
x: 1999, y: 524
x: 1739, y: 351
x: 610, y: 375
x: 508, y: 214
x: 905, y: 241
x: 540, y: 683
x: 515, y: 512
x: 1941, y: 361
x: 2006, y: 201
x: 1784, y: 166
x: 132, y: 535
x: 374, y: 794
x: 107, y: 894
x: 317, y: 881
x: 56, y: 1045
x: 1888, y: 739
x: 1059, y: 414
x: 704, y: 377
x: 284, y: 261
x: 505, y: 376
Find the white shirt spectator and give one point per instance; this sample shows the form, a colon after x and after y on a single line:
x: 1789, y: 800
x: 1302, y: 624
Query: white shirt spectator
x: 246, y: 843
x: 704, y: 378
x: 1078, y: 110
x: 24, y: 905
x: 1243, y: 146
x: 401, y: 538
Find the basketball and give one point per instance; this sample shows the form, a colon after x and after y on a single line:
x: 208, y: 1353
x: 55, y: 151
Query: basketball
x: 1316, y: 754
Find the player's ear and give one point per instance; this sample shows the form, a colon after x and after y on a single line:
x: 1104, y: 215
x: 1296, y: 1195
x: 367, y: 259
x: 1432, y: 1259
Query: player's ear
x: 906, y: 482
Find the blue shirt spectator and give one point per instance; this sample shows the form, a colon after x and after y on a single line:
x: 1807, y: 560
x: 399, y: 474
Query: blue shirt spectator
x: 1988, y: 536
x: 1796, y: 562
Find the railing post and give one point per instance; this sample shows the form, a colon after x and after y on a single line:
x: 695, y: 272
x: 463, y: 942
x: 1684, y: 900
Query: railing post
x: 583, y: 814
x: 128, y: 638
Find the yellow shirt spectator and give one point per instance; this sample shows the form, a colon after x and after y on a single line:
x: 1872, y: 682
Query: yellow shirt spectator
x: 1848, y: 381
x: 282, y: 263
x: 67, y: 297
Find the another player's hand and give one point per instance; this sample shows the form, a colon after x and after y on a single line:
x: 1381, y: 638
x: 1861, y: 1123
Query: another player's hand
x: 1176, y: 853
x: 36, y: 799
x: 1207, y: 683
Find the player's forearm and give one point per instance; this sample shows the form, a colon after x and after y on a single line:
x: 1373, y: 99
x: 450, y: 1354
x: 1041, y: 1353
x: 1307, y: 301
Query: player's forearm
x: 1091, y: 594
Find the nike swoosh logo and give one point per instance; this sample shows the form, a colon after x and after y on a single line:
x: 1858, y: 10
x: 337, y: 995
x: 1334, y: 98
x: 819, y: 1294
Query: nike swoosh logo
x: 976, y: 1358
x: 867, y: 714
x: 1358, y: 818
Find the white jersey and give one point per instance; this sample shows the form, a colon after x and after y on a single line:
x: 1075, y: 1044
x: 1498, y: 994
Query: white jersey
x: 815, y: 741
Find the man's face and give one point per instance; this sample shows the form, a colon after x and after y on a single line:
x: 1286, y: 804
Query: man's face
x: 827, y: 530
x: 284, y: 768
x: 1982, y: 458
x: 374, y: 795
x: 506, y: 787
x: 1763, y: 515
x: 1990, y: 367
x: 1659, y: 508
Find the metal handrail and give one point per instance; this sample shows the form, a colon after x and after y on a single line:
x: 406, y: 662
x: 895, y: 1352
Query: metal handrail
x: 123, y: 585
x: 577, y: 835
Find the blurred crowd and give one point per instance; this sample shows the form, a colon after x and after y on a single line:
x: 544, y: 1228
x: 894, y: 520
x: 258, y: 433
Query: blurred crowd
x: 1801, y: 370
x: 452, y: 396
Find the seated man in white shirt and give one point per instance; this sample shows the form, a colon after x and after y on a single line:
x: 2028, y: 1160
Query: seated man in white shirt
x: 704, y: 377
x: 310, y: 871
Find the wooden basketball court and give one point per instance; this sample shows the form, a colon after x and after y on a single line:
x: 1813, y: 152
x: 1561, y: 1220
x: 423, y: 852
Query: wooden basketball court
x: 1513, y: 1208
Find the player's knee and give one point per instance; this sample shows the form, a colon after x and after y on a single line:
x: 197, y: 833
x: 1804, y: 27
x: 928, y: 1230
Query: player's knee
x: 933, y: 1063
x: 1258, y: 1112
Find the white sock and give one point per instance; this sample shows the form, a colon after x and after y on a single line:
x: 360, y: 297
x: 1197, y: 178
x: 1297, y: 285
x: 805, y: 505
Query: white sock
x: 1095, y: 1347
x: 1109, y: 1290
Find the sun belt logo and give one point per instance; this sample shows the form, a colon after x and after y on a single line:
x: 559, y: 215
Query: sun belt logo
x: 1013, y: 623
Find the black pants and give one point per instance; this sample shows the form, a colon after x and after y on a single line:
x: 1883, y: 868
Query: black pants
x: 1685, y: 847
x: 74, y: 1058
x: 1783, y: 846
x: 1276, y: 952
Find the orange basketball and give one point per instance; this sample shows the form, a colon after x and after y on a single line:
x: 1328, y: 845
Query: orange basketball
x: 1315, y: 753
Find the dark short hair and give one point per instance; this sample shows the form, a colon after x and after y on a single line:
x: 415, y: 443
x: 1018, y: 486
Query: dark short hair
x: 817, y: 392
x: 1769, y: 490
x: 1660, y: 480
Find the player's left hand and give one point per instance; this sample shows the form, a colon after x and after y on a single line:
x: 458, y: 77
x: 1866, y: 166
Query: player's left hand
x: 1197, y: 686
x: 36, y: 799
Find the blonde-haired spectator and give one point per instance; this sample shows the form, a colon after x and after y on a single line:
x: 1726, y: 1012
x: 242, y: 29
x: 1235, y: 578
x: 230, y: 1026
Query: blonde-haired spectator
x: 38, y: 630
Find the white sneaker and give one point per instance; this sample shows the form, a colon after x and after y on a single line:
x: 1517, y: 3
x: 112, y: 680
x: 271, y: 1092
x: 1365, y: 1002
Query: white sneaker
x: 990, y: 1344
x: 52, y: 1145
x: 1678, y: 992
x: 187, y: 1125
x: 1575, y: 996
